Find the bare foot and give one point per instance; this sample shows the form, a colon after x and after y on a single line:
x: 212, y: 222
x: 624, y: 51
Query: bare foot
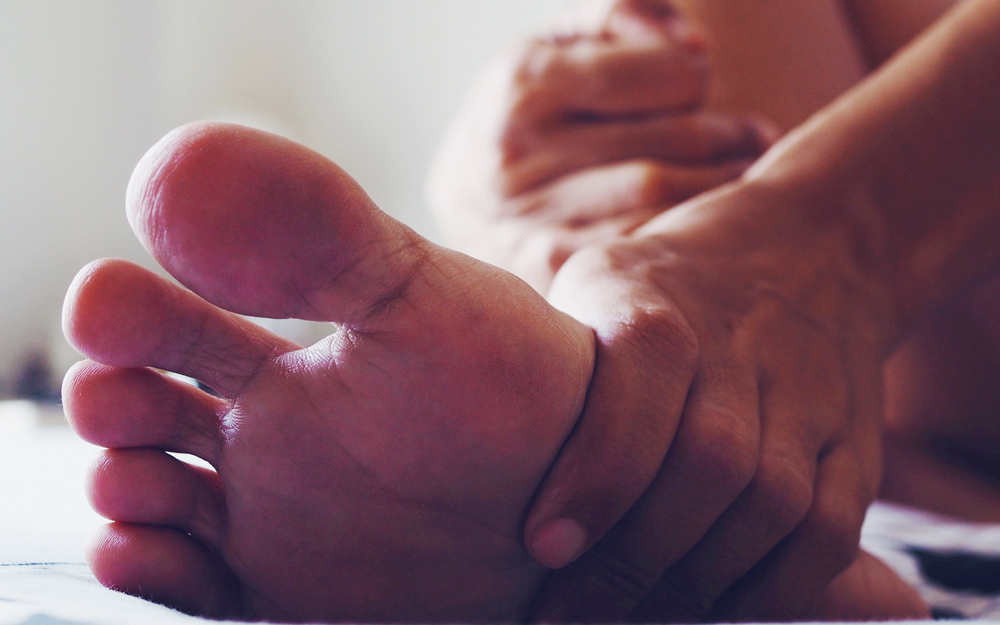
x: 379, y: 475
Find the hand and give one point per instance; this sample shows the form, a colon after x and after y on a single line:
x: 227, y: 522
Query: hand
x: 583, y: 134
x: 733, y: 422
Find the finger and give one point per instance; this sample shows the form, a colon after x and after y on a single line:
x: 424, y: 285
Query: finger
x: 122, y: 315
x: 594, y: 206
x: 795, y: 432
x: 539, y: 250
x: 772, y: 506
x: 710, y: 462
x: 648, y: 17
x: 868, y: 590
x: 699, y: 140
x: 600, y: 77
x: 150, y: 487
x: 607, y: 191
x: 621, y: 16
x: 790, y: 579
x: 260, y: 225
x: 165, y: 566
x: 797, y: 428
x: 609, y: 72
x: 643, y: 369
x: 113, y: 407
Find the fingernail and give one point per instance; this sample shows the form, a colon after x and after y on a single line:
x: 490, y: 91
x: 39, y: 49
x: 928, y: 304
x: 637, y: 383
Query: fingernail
x: 559, y: 542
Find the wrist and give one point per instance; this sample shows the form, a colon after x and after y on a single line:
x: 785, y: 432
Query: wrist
x: 807, y: 236
x: 911, y: 156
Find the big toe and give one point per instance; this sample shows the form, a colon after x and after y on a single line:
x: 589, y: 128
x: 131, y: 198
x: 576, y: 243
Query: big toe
x: 260, y: 225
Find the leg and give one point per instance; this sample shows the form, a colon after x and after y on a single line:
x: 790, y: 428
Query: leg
x: 787, y: 59
x: 379, y: 475
x: 784, y: 59
x: 942, y: 411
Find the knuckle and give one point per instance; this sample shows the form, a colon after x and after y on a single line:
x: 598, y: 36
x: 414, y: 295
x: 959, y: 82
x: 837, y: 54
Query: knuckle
x: 784, y: 489
x: 665, y: 336
x: 725, y: 453
x: 647, y: 324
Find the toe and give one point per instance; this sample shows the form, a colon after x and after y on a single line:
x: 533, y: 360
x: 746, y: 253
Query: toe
x: 260, y: 225
x: 114, y: 407
x: 120, y: 314
x: 165, y: 566
x: 151, y: 487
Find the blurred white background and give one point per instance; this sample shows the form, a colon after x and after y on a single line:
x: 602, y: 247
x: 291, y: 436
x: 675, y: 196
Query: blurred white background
x: 86, y: 86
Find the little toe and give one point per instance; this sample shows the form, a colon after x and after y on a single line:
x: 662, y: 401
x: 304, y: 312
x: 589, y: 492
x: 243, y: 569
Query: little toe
x: 115, y: 407
x: 165, y: 566
x: 151, y: 487
x: 260, y: 225
x: 120, y: 314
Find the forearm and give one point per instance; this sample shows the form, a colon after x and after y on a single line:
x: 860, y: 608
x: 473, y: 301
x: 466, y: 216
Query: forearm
x: 898, y: 181
x: 737, y: 392
x: 923, y: 139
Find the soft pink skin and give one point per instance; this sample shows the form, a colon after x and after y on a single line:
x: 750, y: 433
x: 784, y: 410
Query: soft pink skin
x: 583, y: 133
x: 380, y: 475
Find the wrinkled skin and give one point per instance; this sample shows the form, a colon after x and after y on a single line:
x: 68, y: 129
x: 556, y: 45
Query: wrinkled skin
x: 379, y: 475
x: 582, y: 134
